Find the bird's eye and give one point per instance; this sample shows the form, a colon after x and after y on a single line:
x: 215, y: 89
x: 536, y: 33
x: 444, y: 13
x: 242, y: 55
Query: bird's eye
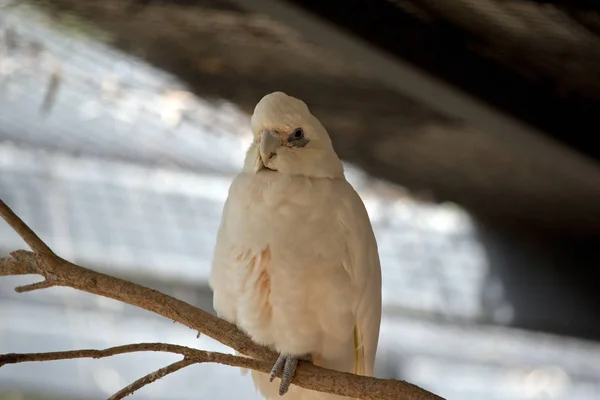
x: 298, y: 134
x: 297, y: 139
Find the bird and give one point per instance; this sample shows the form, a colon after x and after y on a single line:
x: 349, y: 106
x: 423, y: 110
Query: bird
x: 296, y: 264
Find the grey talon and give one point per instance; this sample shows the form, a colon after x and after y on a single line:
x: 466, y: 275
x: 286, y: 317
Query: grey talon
x: 288, y: 373
x: 279, y: 364
x: 287, y: 364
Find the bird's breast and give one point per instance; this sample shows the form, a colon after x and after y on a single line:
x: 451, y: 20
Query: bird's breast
x: 296, y: 213
x: 288, y: 254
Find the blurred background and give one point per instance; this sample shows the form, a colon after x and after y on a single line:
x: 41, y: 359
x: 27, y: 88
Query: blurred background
x: 468, y: 128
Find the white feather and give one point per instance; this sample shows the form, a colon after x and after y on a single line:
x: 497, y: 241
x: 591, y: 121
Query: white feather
x: 296, y: 263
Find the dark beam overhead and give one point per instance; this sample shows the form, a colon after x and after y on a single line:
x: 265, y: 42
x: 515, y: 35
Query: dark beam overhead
x: 445, y: 51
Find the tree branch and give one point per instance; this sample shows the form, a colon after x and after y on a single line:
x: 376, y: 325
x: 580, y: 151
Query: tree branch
x: 191, y: 356
x: 151, y: 377
x: 33, y: 241
x: 59, y: 272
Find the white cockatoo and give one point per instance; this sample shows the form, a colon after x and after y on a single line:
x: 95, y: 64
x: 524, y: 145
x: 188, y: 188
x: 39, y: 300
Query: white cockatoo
x: 296, y: 264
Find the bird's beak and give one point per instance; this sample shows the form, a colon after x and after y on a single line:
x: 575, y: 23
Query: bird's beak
x: 269, y: 143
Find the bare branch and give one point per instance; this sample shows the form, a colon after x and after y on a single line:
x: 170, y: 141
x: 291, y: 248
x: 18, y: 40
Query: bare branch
x: 33, y: 241
x: 17, y: 358
x: 35, y: 286
x: 63, y: 273
x: 195, y: 355
x: 21, y: 262
x: 59, y: 272
x: 307, y: 375
x: 151, y: 377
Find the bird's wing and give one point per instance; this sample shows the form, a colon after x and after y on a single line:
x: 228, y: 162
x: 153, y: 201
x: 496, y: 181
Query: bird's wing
x: 363, y: 267
x: 230, y: 260
x: 240, y: 260
x: 224, y: 277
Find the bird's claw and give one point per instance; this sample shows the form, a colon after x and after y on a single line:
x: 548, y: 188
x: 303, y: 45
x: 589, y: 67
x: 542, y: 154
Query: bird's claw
x: 286, y: 364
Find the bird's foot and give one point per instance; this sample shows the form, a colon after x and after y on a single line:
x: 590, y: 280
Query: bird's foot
x: 287, y: 364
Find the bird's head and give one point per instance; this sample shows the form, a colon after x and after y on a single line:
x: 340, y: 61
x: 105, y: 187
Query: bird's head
x: 288, y: 139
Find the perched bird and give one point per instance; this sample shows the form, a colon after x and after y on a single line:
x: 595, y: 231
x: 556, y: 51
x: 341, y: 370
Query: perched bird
x: 296, y: 264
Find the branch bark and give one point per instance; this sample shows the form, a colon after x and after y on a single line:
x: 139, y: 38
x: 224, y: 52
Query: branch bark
x: 151, y: 377
x: 59, y: 272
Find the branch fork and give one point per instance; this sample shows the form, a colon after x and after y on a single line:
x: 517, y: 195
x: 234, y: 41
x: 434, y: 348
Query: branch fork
x: 59, y: 272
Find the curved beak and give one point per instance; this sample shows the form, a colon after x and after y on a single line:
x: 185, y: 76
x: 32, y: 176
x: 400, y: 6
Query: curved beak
x: 269, y: 143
